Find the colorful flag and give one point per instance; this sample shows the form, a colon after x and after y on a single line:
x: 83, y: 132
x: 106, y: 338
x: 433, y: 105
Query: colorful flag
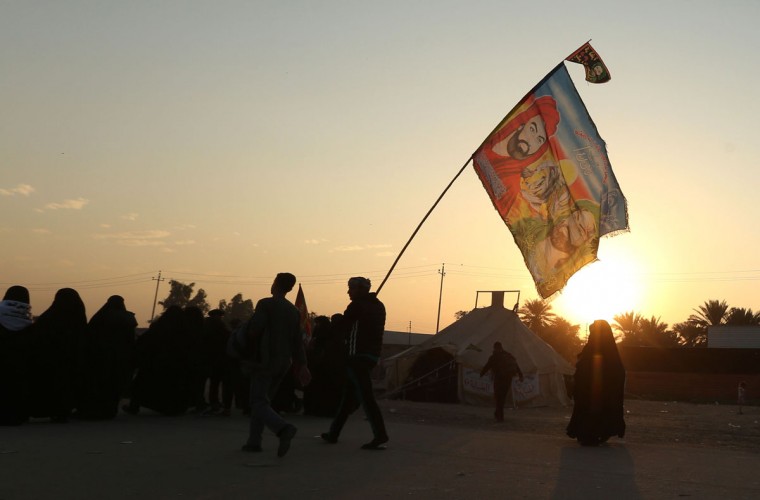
x: 596, y: 71
x: 547, y: 172
x: 304, y: 311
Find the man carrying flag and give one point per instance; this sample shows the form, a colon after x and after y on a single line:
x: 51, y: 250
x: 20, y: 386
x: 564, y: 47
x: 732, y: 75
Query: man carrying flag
x: 547, y: 172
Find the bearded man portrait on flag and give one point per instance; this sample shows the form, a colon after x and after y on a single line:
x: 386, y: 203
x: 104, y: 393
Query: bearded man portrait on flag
x: 515, y: 145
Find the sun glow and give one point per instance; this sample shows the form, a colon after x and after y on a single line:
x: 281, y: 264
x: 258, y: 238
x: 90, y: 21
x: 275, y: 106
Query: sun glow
x: 601, y: 290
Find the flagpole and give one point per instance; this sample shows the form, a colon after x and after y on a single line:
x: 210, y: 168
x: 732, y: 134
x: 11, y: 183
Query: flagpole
x: 421, y: 223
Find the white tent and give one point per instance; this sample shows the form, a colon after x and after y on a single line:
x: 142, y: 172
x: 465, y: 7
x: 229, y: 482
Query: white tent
x: 468, y: 343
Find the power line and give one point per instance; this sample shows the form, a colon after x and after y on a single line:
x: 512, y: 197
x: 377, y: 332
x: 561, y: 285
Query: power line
x: 411, y: 272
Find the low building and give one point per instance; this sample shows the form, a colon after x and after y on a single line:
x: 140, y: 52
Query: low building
x: 696, y: 374
x: 733, y: 336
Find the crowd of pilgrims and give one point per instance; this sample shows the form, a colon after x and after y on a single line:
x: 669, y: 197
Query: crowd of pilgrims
x: 60, y: 366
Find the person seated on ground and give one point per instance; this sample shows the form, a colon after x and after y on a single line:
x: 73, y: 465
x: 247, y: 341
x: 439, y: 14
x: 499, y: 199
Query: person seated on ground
x: 599, y: 386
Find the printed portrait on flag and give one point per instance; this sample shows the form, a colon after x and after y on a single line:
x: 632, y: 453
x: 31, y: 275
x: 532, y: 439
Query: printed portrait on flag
x: 546, y: 170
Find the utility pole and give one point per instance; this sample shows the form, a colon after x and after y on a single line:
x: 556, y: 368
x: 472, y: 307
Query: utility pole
x: 155, y: 297
x: 442, y: 272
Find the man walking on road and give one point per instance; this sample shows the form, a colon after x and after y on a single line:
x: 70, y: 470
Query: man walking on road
x: 275, y: 334
x: 364, y: 324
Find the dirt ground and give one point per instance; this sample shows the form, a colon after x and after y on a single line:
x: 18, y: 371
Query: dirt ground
x: 646, y: 421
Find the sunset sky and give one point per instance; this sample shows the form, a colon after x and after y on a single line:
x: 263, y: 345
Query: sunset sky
x: 223, y: 142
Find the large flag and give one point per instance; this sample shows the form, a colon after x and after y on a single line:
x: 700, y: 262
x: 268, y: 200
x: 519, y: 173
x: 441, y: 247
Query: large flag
x: 547, y: 172
x: 304, y: 311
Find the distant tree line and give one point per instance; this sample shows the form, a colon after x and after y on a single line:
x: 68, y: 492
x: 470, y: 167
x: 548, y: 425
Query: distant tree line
x: 631, y: 328
x: 181, y: 294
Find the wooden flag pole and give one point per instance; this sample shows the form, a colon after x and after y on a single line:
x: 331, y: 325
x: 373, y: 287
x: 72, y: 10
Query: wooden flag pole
x: 420, y: 225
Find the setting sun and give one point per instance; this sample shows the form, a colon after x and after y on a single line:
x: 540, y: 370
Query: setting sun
x: 600, y: 291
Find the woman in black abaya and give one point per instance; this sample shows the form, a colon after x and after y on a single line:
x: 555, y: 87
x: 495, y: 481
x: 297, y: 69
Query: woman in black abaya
x: 55, y: 353
x: 15, y: 321
x: 599, y: 387
x: 164, y: 378
x: 108, y: 360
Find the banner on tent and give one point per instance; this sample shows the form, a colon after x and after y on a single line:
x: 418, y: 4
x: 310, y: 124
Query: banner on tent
x: 474, y: 383
x: 483, y: 386
x: 526, y: 389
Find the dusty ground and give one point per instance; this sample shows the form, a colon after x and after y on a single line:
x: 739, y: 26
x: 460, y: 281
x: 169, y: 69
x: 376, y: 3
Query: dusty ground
x: 658, y: 422
x: 437, y: 452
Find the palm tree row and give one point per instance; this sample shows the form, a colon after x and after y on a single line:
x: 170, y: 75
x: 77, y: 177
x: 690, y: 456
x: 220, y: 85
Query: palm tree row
x: 634, y: 329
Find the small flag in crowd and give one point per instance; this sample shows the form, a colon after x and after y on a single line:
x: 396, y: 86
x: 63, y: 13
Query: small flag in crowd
x: 304, y: 311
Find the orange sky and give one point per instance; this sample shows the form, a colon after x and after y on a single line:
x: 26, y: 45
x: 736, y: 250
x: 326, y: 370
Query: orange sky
x: 224, y: 145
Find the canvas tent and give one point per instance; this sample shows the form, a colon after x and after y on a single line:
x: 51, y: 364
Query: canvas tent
x: 446, y: 367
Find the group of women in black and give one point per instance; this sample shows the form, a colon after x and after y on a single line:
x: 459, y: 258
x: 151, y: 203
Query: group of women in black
x: 59, y: 364
x: 175, y: 359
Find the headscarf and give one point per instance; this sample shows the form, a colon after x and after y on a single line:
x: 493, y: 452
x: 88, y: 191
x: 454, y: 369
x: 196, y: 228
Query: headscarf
x: 67, y: 309
x: 15, y: 311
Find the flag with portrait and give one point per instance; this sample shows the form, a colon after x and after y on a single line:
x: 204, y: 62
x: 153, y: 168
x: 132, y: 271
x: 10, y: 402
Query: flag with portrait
x: 547, y: 172
x: 596, y: 70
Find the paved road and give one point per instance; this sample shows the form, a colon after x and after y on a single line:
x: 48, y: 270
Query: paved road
x: 149, y: 456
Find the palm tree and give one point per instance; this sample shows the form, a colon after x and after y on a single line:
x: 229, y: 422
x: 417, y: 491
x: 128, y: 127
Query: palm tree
x: 536, y: 314
x: 711, y: 313
x: 460, y: 314
x: 742, y: 316
x: 691, y: 335
x: 563, y: 337
x: 629, y: 326
x: 655, y: 333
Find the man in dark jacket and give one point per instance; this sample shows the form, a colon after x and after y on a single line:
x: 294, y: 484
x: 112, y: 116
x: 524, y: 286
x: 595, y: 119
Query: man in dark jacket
x: 364, y: 324
x: 504, y: 366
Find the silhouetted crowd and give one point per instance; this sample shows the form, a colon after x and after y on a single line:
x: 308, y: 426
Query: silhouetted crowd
x: 60, y: 366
